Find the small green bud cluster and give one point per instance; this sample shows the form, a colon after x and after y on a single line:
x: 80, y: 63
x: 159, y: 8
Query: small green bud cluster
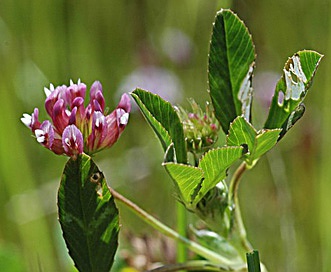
x: 200, y: 128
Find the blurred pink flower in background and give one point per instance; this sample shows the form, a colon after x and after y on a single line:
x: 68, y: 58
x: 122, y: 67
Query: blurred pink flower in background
x: 157, y: 80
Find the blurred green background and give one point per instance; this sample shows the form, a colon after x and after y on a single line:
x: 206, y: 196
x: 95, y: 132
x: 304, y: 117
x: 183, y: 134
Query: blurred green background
x: 162, y: 46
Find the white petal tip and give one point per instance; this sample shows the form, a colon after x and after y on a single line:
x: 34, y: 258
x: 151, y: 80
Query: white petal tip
x: 47, y: 92
x: 26, y: 119
x: 41, y: 139
x: 124, y: 119
x: 40, y: 135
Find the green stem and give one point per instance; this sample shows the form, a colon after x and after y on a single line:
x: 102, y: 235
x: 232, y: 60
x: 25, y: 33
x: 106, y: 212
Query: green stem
x: 233, y: 198
x: 162, y: 228
x: 192, y: 266
x: 181, y: 228
x: 253, y: 261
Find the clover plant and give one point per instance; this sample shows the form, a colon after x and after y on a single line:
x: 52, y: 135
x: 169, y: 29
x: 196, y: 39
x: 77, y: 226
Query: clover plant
x: 193, y: 159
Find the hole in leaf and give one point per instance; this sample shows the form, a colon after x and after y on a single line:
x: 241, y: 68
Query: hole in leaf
x: 245, y: 148
x: 294, y: 77
x: 280, y: 98
x: 96, y: 177
x: 196, y: 190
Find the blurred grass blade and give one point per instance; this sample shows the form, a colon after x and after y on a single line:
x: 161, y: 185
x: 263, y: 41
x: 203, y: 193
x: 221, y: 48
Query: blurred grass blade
x: 230, y: 68
x: 286, y: 105
x: 253, y: 261
x: 88, y: 216
x: 165, y: 122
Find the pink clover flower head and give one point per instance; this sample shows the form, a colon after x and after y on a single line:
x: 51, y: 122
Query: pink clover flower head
x: 75, y: 128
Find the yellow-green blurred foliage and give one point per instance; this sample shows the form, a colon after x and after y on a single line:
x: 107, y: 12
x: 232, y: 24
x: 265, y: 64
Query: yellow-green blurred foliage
x: 285, y: 198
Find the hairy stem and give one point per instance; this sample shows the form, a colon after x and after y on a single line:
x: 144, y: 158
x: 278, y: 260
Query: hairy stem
x: 233, y: 198
x: 162, y: 228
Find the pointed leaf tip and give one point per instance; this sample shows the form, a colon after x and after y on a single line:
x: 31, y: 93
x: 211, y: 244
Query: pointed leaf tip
x: 165, y: 122
x: 230, y: 68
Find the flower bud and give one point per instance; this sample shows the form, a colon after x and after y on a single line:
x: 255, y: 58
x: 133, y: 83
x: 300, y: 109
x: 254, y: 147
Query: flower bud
x: 200, y: 128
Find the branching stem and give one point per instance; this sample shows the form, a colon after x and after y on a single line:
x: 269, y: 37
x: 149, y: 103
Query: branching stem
x: 221, y: 261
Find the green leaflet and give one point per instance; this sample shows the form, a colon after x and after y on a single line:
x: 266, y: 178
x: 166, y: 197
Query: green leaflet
x: 242, y: 133
x: 188, y: 179
x: 195, y: 182
x: 286, y: 105
x: 215, y: 163
x: 230, y: 67
x: 88, y: 215
x: 165, y: 122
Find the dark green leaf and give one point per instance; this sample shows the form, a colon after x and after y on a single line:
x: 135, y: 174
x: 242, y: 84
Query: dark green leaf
x: 242, y: 133
x: 164, y: 120
x: 286, y: 105
x: 88, y: 215
x: 231, y: 63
